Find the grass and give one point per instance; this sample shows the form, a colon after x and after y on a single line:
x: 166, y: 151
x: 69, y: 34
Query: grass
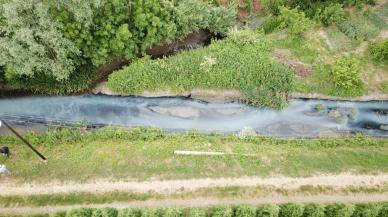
x: 240, y: 62
x: 240, y: 210
x: 339, y: 40
x: 211, y: 192
x: 148, y: 154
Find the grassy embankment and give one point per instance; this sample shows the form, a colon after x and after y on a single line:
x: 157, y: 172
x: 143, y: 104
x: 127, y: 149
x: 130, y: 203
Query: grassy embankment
x: 244, y: 62
x: 146, y: 154
x: 323, y: 45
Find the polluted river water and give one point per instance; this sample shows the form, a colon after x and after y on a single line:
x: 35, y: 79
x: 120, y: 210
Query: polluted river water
x: 302, y: 117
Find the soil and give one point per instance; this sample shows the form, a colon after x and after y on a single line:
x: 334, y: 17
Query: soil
x: 302, y: 70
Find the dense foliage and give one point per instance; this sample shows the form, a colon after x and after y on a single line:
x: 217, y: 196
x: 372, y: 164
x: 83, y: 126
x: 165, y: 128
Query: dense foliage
x: 271, y: 210
x: 294, y: 20
x: 241, y: 62
x: 346, y: 73
x: 379, y: 50
x: 50, y: 42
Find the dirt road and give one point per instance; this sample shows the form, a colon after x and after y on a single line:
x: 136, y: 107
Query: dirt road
x: 170, y: 186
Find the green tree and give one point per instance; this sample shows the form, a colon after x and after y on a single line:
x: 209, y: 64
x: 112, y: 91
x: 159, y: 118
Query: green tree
x: 31, y: 42
x: 222, y: 211
x: 366, y: 210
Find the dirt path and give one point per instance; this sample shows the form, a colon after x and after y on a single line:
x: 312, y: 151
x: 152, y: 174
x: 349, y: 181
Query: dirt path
x: 204, y: 202
x: 171, y: 186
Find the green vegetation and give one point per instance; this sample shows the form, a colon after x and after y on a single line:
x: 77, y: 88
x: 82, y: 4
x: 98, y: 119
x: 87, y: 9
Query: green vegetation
x: 214, y: 192
x: 46, y: 43
x: 142, y: 154
x: 379, y: 51
x: 270, y: 210
x: 346, y: 74
x: 241, y: 62
x: 294, y: 20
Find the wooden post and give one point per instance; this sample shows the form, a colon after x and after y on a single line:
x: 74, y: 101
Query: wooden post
x: 23, y: 140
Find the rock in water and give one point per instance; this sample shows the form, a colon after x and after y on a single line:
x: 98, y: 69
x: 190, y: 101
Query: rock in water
x: 177, y: 111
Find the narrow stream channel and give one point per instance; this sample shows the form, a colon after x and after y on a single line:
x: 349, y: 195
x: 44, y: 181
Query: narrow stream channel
x: 305, y: 118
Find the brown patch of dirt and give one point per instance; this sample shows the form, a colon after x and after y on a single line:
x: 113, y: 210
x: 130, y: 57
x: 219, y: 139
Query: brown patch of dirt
x: 302, y: 70
x: 243, y: 13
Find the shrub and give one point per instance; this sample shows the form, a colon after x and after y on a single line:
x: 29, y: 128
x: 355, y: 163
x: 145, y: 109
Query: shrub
x: 379, y: 50
x: 294, y: 20
x: 129, y: 213
x: 269, y: 210
x: 172, y: 212
x: 105, y: 212
x: 150, y: 213
x: 383, y: 211
x: 366, y: 210
x: 270, y: 24
x: 196, y: 212
x: 358, y: 27
x: 81, y: 212
x: 222, y: 211
x: 346, y: 73
x: 272, y: 6
x: 291, y: 210
x: 245, y: 211
x: 339, y: 210
x: 314, y: 210
x: 332, y: 13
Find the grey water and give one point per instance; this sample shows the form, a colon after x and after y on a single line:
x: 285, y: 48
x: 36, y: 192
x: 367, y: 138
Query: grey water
x: 301, y: 118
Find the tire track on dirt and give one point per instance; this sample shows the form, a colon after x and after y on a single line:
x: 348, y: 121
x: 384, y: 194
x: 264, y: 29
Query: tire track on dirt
x: 170, y: 186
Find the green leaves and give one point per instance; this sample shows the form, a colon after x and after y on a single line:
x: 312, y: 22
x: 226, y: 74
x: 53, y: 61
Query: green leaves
x: 32, y: 42
x: 295, y: 20
x: 346, y: 73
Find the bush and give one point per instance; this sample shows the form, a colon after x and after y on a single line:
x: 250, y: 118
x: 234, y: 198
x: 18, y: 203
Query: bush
x: 379, y: 50
x: 339, y: 210
x: 245, y: 211
x: 222, y: 211
x: 332, y: 13
x: 272, y: 6
x: 81, y: 212
x: 129, y: 213
x: 240, y: 62
x: 295, y: 20
x: 270, y: 24
x: 269, y: 210
x: 314, y: 210
x: 196, y: 212
x: 358, y: 27
x: 346, y: 73
x: 383, y: 211
x: 291, y: 210
x: 105, y: 212
x: 150, y: 213
x: 366, y: 210
x: 172, y: 212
